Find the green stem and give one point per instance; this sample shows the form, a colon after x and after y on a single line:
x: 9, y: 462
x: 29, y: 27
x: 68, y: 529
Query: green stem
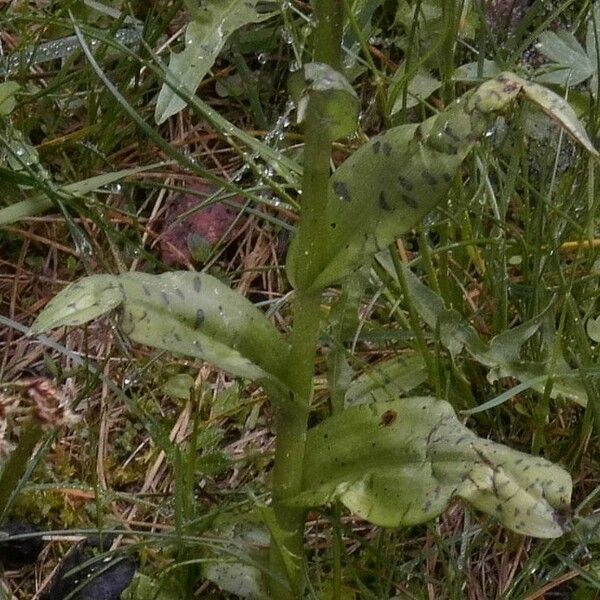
x: 291, y: 425
x: 328, y: 33
x: 292, y: 414
x: 16, y: 465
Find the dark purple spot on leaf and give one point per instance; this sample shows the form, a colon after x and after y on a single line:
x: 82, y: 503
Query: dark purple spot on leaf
x: 429, y: 178
x: 510, y: 87
x: 383, y: 202
x: 376, y: 147
x: 405, y: 182
x: 197, y: 283
x: 388, y: 418
x: 199, y: 318
x: 409, y: 201
x: 341, y: 190
x: 387, y: 149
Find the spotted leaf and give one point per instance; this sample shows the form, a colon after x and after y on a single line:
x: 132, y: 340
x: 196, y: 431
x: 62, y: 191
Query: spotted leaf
x: 80, y: 303
x: 387, y: 186
x: 183, y: 312
x: 401, y: 463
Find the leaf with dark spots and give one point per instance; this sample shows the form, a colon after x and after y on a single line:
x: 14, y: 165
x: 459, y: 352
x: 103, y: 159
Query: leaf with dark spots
x: 405, y: 182
x: 383, y: 202
x: 429, y: 178
x: 204, y: 318
x: 401, y: 462
x: 409, y: 201
x: 341, y: 189
x: 428, y: 157
x: 78, y: 304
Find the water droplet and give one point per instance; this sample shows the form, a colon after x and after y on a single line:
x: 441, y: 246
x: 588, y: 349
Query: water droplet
x: 83, y: 248
x: 287, y: 36
x: 262, y: 58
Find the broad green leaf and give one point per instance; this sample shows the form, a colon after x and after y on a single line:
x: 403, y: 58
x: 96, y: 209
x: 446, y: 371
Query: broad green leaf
x: 8, y: 90
x: 570, y: 64
x: 80, y: 303
x: 178, y: 386
x: 237, y: 567
x: 380, y: 192
x: 560, y: 111
x: 402, y: 462
x: 493, y: 96
x: 205, y: 37
x: 338, y: 104
x: 470, y: 71
x: 387, y: 186
x: 420, y: 87
x: 387, y: 380
x: 187, y: 313
x: 502, y: 354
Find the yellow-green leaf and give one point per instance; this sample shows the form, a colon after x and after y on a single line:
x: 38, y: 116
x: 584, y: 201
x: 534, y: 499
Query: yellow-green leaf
x: 205, y: 37
x: 401, y: 463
